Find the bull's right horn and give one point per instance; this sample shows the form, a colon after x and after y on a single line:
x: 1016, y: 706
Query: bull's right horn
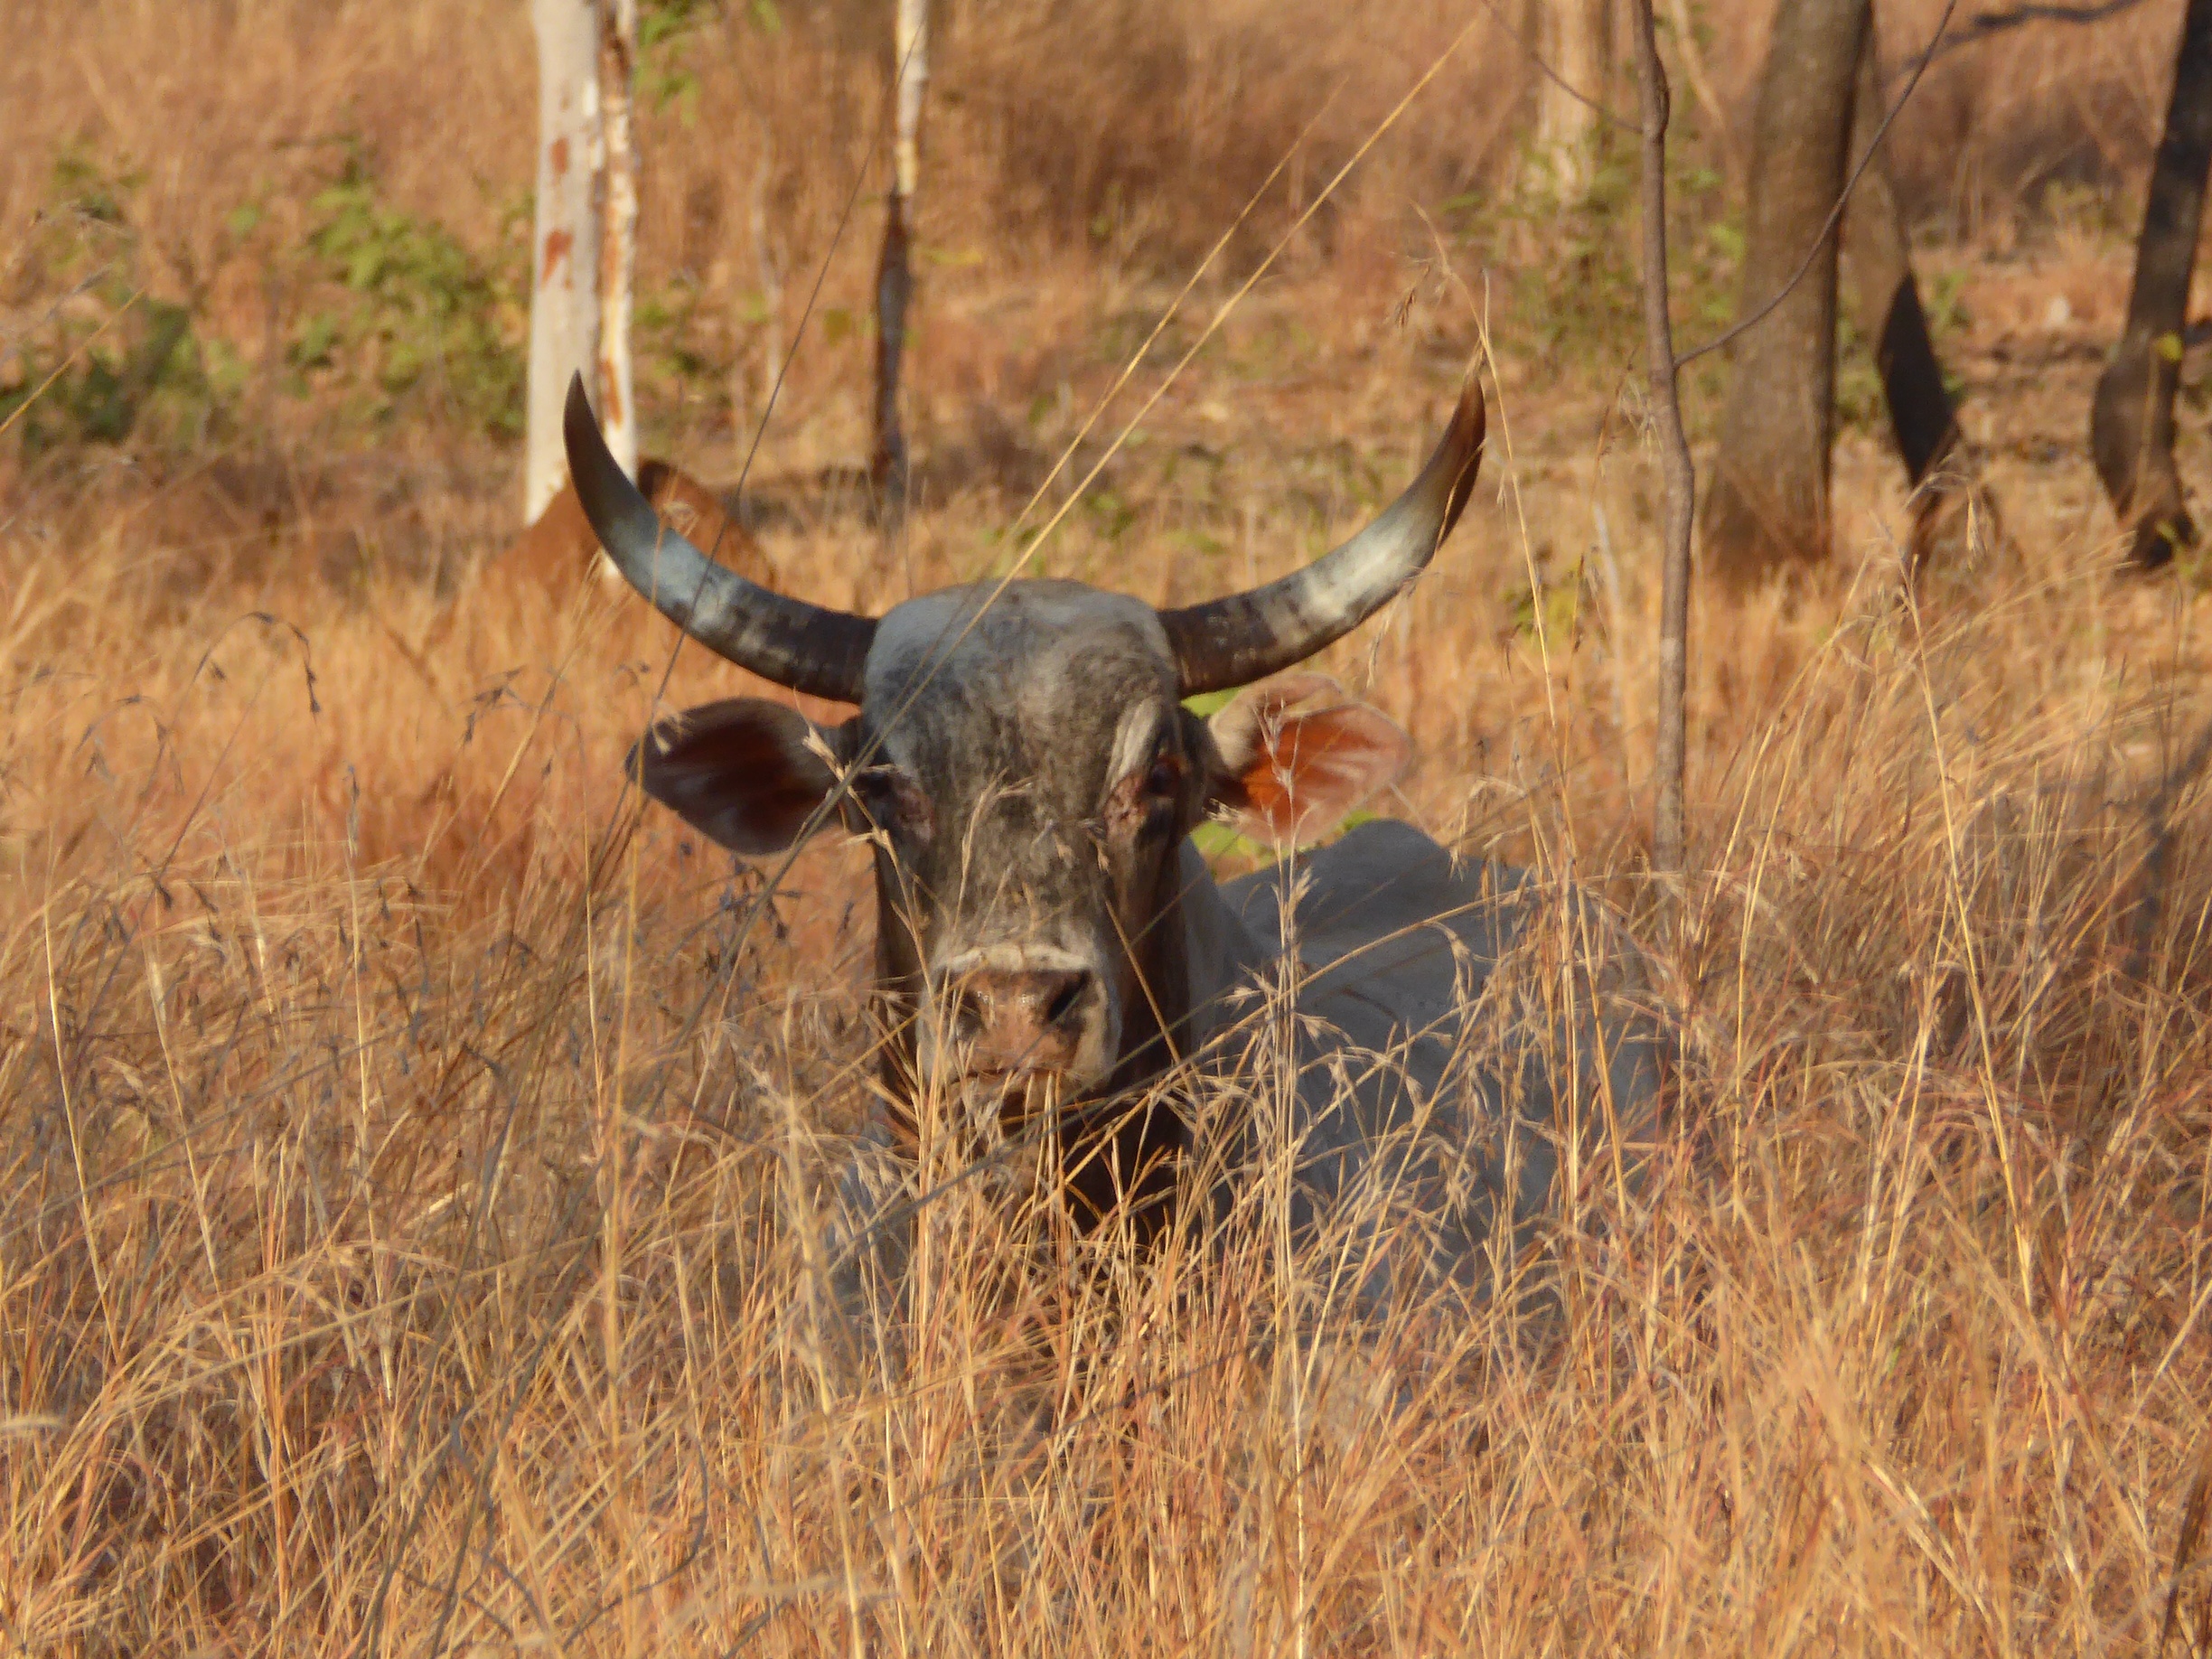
x: 1244, y: 637
x: 805, y: 647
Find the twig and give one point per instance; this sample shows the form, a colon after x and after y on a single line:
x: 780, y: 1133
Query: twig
x: 1986, y: 23
x: 55, y: 310
x: 1596, y: 106
x: 68, y: 363
x: 1679, y: 477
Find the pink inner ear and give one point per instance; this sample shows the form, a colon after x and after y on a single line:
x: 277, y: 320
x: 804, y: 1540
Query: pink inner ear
x: 1308, y: 770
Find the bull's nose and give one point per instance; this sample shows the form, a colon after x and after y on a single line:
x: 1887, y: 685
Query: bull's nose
x: 1024, y: 1019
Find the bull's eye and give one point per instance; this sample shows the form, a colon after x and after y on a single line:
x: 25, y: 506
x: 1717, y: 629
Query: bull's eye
x: 895, y: 802
x: 1144, y: 804
x: 1161, y: 795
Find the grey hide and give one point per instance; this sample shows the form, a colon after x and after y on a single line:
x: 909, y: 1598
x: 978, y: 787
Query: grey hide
x: 1423, y: 1076
x: 1051, y: 946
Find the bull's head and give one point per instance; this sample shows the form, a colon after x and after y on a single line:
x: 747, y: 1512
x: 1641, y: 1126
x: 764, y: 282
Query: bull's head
x: 1023, y: 763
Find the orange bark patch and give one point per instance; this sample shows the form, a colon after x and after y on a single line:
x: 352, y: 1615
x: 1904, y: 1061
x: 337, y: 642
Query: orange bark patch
x: 558, y: 246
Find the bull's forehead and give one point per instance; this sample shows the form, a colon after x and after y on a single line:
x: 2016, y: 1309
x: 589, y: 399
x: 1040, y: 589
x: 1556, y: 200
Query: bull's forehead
x: 1028, y: 679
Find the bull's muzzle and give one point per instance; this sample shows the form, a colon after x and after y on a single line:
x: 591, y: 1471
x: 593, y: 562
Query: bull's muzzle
x: 1018, y: 1023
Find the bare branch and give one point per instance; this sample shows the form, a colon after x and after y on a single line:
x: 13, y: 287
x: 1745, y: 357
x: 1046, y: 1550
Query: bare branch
x: 1553, y: 75
x: 1836, y: 212
x: 1986, y: 23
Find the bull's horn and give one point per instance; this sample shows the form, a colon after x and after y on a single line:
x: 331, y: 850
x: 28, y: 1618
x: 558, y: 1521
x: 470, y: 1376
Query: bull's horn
x: 803, y: 646
x: 1245, y: 637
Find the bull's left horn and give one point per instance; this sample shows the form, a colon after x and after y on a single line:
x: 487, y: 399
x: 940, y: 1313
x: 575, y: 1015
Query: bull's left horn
x: 1248, y: 636
x: 805, y: 647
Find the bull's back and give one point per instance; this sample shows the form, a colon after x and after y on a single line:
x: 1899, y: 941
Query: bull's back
x: 1487, y: 1024
x: 1384, y: 914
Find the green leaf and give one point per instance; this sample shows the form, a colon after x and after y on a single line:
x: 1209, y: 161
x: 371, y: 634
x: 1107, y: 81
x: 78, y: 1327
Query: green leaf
x: 1215, y: 839
x: 311, y: 349
x: 225, y: 369
x: 1208, y: 703
x: 1109, y: 512
x: 412, y: 306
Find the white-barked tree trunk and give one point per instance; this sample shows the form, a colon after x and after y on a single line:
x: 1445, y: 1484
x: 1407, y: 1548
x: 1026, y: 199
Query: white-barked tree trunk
x: 1575, y: 39
x: 618, y: 35
x: 565, y: 245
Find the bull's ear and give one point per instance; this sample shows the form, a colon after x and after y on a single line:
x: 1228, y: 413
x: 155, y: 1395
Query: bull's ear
x: 748, y: 772
x: 1299, y: 753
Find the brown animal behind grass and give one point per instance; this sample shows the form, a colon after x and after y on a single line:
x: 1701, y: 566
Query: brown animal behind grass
x: 558, y: 548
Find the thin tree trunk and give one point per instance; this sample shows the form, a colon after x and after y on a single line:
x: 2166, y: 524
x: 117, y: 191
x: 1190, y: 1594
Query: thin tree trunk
x: 754, y: 403
x: 618, y: 230
x: 565, y: 242
x: 1695, y: 71
x: 2131, y: 424
x: 1575, y: 39
x: 1679, y: 479
x: 894, y: 279
x: 1948, y: 503
x: 1768, y: 506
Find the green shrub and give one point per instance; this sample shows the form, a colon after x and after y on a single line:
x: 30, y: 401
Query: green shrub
x: 1573, y: 256
x: 416, y: 312
x: 108, y: 362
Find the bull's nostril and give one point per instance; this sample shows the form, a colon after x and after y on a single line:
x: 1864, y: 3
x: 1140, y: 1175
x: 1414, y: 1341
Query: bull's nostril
x: 1064, y: 998
x: 1021, y: 1017
x: 970, y: 1011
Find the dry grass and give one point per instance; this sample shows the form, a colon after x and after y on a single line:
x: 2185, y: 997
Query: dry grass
x: 413, y: 1158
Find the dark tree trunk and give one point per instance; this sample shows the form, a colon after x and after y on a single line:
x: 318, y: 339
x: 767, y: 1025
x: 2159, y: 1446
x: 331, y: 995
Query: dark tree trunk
x: 1887, y: 310
x: 894, y: 289
x: 2130, y: 424
x: 1948, y: 507
x: 1768, y: 506
x: 893, y: 278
